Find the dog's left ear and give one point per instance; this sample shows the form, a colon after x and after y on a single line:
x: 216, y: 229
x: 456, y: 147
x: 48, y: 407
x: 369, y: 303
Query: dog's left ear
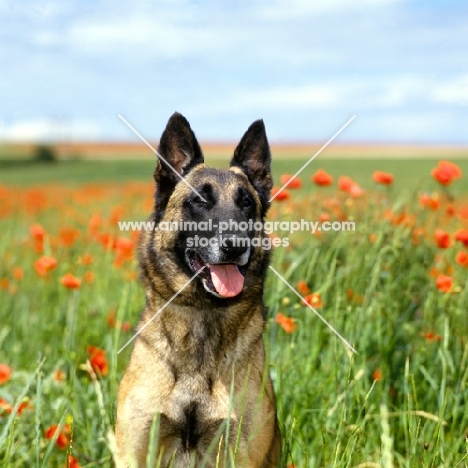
x: 253, y: 157
x: 181, y: 152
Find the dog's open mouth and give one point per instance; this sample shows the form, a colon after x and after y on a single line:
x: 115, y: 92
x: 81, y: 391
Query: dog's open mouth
x: 220, y: 279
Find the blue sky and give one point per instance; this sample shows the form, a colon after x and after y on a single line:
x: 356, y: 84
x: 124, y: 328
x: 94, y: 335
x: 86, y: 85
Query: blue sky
x: 305, y: 67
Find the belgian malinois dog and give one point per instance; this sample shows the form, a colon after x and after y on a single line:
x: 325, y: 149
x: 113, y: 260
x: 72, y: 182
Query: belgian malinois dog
x: 196, y: 390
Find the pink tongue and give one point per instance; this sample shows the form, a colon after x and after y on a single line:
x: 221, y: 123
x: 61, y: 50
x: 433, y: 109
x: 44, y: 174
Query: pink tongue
x: 227, y: 279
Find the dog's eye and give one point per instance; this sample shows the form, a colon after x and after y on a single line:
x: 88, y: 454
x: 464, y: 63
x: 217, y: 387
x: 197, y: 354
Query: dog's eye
x: 246, y: 202
x: 198, y: 200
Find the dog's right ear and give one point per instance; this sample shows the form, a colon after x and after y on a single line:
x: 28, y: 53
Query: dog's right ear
x: 180, y: 152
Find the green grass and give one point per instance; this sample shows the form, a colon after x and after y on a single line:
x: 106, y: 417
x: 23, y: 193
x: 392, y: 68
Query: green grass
x: 379, y: 295
x: 409, y: 174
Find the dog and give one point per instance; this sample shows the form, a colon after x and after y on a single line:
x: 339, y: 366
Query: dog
x: 196, y: 390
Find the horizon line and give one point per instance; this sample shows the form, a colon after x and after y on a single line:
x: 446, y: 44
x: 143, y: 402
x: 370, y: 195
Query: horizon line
x: 233, y: 143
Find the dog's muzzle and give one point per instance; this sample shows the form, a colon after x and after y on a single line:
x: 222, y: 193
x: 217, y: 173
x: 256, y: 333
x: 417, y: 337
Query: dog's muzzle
x: 225, y: 263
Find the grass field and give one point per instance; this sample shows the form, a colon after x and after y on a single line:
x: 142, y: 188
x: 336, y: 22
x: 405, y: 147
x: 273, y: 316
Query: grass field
x: 410, y: 175
x: 393, y: 289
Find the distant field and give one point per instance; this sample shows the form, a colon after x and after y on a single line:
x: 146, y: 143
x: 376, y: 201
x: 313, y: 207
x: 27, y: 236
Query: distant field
x: 137, y: 150
x: 408, y: 173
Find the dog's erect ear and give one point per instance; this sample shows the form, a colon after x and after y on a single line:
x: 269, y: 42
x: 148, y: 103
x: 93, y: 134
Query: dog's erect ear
x: 253, y: 157
x: 181, y: 152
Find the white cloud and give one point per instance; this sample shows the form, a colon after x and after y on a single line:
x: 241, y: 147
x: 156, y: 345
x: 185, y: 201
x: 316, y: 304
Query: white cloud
x: 416, y: 126
x: 131, y: 31
x: 50, y: 130
x: 288, y: 97
x: 281, y: 9
x: 166, y: 35
x: 385, y: 93
x: 46, y: 38
x: 31, y: 130
x: 452, y: 92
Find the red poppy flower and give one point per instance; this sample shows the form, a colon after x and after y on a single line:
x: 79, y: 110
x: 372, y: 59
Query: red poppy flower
x: 463, y: 212
x: 293, y: 182
x: 433, y: 272
x: 287, y: 323
x: 446, y: 172
x: 111, y: 320
x: 279, y: 196
x: 322, y: 178
x: 88, y: 277
x: 377, y: 375
x: 431, y: 336
x: 444, y: 283
x: 18, y: 273
x: 94, y: 223
x: 442, y: 238
x: 126, y: 327
x: 356, y: 191
x: 124, y: 250
x: 402, y: 219
x: 45, y: 264
x: 346, y: 184
x: 314, y: 299
x: 5, y: 407
x: 5, y: 373
x: 131, y: 275
x: 68, y: 236
x: 70, y: 281
x: 37, y: 232
x: 373, y: 238
x: 462, y: 258
x: 418, y: 233
x: 86, y: 259
x: 59, y: 375
x: 302, y: 287
x: 116, y: 214
x: 429, y: 201
x: 462, y: 236
x: 98, y: 360
x: 106, y: 240
x: 124, y: 246
x: 324, y: 216
x: 72, y: 462
x: 450, y: 210
x: 24, y: 405
x: 62, y: 439
x: 383, y: 178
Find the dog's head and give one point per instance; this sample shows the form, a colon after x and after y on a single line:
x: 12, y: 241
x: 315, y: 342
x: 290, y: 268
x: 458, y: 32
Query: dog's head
x: 210, y: 220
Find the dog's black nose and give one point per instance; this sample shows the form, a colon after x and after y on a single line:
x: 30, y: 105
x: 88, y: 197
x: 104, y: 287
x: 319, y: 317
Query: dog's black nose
x: 234, y: 246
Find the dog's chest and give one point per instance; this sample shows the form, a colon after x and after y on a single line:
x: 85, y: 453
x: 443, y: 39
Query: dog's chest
x: 195, y: 411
